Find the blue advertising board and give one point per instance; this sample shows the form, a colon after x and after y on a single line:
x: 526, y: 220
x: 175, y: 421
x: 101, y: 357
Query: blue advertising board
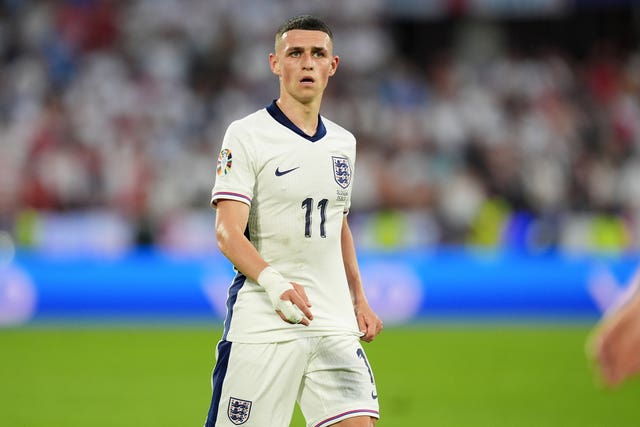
x: 401, y: 286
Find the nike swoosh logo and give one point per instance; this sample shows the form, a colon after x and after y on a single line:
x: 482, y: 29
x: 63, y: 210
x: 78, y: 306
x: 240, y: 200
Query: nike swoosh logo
x: 280, y: 173
x: 374, y: 396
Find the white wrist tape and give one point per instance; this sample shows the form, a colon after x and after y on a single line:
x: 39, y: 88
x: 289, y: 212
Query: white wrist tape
x: 275, y: 285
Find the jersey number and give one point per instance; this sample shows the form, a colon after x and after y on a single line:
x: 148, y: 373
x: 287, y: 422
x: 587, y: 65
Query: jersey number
x: 360, y: 353
x: 307, y: 205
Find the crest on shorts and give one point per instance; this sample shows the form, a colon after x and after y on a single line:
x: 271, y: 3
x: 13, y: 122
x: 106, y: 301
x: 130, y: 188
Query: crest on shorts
x: 224, y: 162
x: 341, y: 171
x: 239, y: 410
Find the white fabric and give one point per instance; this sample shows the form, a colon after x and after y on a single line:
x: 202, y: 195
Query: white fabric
x: 336, y: 382
x: 298, y: 191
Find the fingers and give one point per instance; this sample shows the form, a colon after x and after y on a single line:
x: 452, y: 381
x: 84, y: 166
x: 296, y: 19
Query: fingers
x: 621, y: 359
x: 295, y: 305
x: 607, y: 365
x: 290, y: 313
x: 597, y: 355
x: 611, y: 370
x: 300, y: 291
x: 600, y: 351
x: 370, y: 325
x: 299, y: 298
x: 303, y: 320
x: 616, y: 349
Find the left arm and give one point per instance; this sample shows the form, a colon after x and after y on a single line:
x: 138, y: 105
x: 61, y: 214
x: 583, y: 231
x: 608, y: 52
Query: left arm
x: 368, y: 321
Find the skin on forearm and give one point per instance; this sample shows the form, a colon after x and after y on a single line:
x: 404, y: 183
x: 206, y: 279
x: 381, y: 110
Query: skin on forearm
x: 351, y: 265
x: 368, y: 322
x: 231, y: 221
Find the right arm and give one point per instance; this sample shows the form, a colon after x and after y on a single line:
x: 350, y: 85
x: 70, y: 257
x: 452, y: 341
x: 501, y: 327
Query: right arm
x: 231, y: 221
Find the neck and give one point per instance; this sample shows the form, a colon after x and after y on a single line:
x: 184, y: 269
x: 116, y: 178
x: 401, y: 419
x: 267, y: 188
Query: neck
x: 304, y: 116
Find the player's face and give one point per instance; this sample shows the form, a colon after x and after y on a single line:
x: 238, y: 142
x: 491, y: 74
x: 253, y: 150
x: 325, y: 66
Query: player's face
x: 304, y: 61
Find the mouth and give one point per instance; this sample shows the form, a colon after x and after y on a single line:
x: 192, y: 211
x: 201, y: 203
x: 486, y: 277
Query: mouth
x: 307, y: 80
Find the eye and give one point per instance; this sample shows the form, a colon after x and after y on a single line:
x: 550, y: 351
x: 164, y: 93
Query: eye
x: 294, y: 54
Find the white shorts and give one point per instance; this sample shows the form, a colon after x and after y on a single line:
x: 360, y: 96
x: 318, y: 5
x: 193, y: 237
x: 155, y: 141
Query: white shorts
x: 258, y: 384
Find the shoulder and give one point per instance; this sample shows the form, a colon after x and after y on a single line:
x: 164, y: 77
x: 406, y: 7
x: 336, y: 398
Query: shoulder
x: 250, y: 122
x: 336, y: 130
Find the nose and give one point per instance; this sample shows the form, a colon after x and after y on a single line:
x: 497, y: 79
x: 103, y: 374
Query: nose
x: 307, y: 63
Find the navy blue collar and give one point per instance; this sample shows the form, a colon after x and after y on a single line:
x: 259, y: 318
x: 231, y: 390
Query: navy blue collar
x: 280, y: 117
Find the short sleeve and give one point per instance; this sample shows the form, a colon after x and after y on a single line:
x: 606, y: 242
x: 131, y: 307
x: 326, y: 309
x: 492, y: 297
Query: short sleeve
x: 347, y: 204
x: 235, y: 172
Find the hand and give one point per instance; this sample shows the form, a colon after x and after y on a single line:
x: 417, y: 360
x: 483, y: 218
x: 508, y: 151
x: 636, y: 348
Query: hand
x: 368, y: 322
x: 296, y: 297
x: 615, y: 345
x: 288, y: 299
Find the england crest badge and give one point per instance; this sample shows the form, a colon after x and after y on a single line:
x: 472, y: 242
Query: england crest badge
x: 341, y: 171
x: 239, y: 410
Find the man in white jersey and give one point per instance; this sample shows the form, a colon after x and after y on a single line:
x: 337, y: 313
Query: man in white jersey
x: 296, y: 309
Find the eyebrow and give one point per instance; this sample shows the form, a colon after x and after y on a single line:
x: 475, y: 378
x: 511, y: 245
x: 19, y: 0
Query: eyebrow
x: 314, y: 49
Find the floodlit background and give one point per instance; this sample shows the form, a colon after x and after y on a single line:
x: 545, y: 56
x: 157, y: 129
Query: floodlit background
x: 496, y: 203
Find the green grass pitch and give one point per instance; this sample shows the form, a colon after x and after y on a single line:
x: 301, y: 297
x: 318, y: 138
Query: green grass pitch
x: 429, y: 375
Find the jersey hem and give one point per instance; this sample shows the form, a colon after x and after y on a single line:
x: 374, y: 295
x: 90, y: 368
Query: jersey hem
x: 286, y: 336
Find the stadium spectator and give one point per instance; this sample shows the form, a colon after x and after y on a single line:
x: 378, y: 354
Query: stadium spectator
x: 547, y: 139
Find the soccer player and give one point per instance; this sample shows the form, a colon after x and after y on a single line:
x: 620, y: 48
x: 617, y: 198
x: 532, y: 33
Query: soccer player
x: 296, y: 308
x: 615, y: 344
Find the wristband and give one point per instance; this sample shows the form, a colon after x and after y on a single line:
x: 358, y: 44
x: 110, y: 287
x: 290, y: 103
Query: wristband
x: 274, y: 284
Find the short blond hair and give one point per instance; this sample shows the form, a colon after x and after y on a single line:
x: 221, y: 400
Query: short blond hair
x: 304, y: 22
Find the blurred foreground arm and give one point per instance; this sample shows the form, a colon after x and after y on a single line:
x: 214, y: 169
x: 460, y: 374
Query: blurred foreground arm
x: 615, y: 344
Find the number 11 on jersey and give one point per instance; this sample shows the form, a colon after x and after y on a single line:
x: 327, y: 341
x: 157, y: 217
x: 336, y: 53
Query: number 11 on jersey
x: 307, y: 205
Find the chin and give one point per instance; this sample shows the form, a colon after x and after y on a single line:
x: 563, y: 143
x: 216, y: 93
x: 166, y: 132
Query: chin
x: 306, y: 99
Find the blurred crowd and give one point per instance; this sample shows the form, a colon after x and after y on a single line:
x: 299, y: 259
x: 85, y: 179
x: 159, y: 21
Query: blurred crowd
x: 115, y: 111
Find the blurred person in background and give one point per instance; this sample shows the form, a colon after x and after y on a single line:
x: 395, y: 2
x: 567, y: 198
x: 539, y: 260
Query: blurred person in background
x: 296, y: 307
x: 498, y: 145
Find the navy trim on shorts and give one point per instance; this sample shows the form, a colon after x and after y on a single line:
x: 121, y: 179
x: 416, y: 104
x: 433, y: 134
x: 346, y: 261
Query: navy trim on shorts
x: 219, y: 372
x: 348, y: 414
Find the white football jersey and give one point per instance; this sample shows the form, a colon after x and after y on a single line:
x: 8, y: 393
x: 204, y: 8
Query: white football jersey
x: 298, y: 189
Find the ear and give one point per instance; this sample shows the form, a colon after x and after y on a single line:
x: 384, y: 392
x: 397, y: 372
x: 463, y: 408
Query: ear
x: 274, y: 64
x: 333, y: 65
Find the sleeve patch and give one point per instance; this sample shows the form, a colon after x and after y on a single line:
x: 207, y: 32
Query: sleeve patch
x: 224, y: 162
